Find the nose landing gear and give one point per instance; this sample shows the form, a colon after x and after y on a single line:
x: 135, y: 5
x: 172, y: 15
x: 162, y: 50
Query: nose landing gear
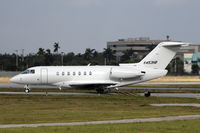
x: 147, y: 94
x: 27, y: 89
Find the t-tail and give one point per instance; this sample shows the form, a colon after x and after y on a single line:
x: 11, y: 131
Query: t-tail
x: 161, y: 55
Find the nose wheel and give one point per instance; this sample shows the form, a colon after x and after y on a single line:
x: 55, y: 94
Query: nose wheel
x: 147, y: 94
x: 27, y: 89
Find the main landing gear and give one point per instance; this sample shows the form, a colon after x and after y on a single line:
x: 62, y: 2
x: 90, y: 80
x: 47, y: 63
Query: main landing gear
x: 100, y: 90
x: 147, y: 94
x: 27, y: 89
x: 103, y: 90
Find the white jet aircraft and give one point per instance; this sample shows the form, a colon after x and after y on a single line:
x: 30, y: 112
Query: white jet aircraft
x: 102, y: 77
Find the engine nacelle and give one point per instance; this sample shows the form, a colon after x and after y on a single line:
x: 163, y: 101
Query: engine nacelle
x: 125, y: 73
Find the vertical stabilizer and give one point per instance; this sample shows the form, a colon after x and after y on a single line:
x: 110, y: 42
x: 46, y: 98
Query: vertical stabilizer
x: 161, y: 55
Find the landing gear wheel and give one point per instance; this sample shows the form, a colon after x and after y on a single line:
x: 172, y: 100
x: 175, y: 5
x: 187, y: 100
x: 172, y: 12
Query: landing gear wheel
x: 27, y: 89
x: 100, y: 91
x: 147, y: 94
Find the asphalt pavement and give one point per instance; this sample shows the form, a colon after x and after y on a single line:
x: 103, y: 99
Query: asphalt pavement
x: 169, y: 118
x: 15, y: 86
x: 183, y: 95
x: 177, y: 104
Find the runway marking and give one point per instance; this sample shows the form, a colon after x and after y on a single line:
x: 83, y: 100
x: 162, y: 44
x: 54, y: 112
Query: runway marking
x: 176, y: 104
x: 169, y: 118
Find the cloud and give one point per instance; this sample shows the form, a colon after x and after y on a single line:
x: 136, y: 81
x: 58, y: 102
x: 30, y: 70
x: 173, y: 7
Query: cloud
x: 170, y: 2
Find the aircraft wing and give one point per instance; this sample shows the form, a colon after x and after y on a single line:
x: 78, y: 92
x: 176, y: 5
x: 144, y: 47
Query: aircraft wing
x: 90, y: 84
x: 77, y: 83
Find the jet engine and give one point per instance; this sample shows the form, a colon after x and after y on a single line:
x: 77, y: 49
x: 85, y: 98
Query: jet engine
x: 125, y: 73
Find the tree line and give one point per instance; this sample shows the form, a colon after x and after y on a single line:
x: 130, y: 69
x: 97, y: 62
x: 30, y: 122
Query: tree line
x: 45, y: 57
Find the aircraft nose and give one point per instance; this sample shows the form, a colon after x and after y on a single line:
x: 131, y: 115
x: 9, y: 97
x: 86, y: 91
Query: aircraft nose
x: 14, y: 79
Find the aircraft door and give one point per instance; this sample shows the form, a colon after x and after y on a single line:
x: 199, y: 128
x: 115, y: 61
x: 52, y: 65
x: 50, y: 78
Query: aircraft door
x: 44, y: 75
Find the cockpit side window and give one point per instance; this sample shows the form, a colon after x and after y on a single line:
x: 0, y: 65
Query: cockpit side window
x: 25, y: 72
x: 32, y: 71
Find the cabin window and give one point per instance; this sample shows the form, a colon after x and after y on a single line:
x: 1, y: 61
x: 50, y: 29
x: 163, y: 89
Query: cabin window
x: 90, y: 73
x: 57, y: 73
x: 79, y: 73
x: 68, y: 73
x: 63, y: 73
x: 85, y: 73
x: 74, y: 73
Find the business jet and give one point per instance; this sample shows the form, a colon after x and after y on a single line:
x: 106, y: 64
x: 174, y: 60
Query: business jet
x: 102, y: 78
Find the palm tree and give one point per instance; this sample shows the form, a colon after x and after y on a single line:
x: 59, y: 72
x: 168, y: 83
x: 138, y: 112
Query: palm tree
x: 48, y: 51
x: 89, y: 53
x: 108, y: 53
x: 128, y: 55
x: 56, y: 47
x: 41, y: 51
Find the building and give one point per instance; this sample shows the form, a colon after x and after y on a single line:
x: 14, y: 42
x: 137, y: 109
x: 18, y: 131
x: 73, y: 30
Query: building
x: 143, y: 45
x: 191, y: 59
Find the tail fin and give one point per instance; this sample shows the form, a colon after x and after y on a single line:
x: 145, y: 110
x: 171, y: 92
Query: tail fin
x: 161, y: 55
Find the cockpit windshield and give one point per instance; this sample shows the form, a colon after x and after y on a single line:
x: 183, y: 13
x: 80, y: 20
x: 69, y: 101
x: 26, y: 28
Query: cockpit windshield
x: 32, y: 71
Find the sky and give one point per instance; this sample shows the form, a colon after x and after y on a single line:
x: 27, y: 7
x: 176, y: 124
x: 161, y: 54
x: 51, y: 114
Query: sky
x: 81, y: 24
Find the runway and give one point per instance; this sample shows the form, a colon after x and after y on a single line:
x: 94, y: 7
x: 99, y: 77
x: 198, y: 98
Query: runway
x: 17, y: 86
x: 181, y: 95
x: 12, y: 85
x: 170, y: 83
x: 177, y: 104
x: 184, y: 95
x: 169, y: 118
x: 164, y: 88
x: 47, y: 93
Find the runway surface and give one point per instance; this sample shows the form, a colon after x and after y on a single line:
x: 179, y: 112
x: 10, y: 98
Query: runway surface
x: 183, y: 95
x: 170, y: 83
x: 169, y: 118
x: 177, y: 104
x: 17, y: 86
x: 12, y: 85
x: 164, y: 88
x: 47, y: 93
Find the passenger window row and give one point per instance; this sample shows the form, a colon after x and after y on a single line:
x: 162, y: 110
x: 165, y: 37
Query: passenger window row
x: 74, y: 73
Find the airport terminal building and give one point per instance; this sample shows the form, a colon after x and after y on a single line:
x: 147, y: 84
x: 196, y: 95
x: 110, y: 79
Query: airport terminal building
x: 143, y: 45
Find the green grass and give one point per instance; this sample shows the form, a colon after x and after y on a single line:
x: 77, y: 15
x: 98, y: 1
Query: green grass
x: 15, y: 109
x: 187, y: 126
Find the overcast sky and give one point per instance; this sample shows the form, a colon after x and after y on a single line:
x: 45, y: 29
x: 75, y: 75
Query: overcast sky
x: 81, y: 24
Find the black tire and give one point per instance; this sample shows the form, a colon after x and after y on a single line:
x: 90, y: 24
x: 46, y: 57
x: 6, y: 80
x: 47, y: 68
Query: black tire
x: 100, y: 91
x: 147, y: 94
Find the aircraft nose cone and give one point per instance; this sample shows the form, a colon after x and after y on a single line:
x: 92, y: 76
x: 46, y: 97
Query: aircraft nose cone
x: 13, y: 79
